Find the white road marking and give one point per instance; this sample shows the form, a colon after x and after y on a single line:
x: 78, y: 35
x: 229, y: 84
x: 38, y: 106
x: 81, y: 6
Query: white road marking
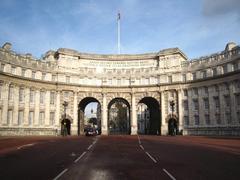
x: 154, y: 160
x: 90, y: 146
x: 142, y: 147
x: 26, y: 145
x: 80, y: 157
x: 171, y: 176
x: 139, y: 141
x: 58, y: 176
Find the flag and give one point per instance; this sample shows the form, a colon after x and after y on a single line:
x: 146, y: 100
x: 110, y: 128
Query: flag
x: 118, y: 16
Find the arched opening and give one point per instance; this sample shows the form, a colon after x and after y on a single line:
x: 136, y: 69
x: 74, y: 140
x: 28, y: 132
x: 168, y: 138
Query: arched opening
x: 89, y: 115
x: 149, y: 118
x: 118, y: 116
x: 172, y: 126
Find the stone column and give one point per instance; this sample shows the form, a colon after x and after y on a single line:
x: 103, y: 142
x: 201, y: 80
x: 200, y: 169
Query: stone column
x: 57, y: 116
x: 15, y: 106
x: 75, y: 113
x: 164, y: 127
x: 104, y: 116
x: 47, y: 108
x: 180, y: 110
x: 5, y: 104
x: 233, y: 105
x: 26, y: 105
x: 37, y: 104
x: 133, y: 116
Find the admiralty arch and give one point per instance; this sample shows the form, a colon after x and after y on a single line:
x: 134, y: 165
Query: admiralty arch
x: 198, y: 96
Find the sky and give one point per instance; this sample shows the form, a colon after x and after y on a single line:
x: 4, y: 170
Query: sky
x: 197, y: 27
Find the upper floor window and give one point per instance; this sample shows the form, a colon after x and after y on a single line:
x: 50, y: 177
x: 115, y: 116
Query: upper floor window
x: 186, y: 120
x: 23, y: 72
x: 52, y: 118
x: 227, y: 100
x: 52, y: 98
x: 216, y: 101
x: 169, y: 79
x: 31, y: 96
x: 2, y: 67
x: 54, y: 77
x: 185, y: 92
x: 214, y: 71
x: 196, y: 118
x: 237, y: 97
x: 204, y: 73
x: 185, y: 105
x: 206, y: 90
x: 67, y: 79
x: 42, y: 97
x: 225, y: 68
x: 33, y: 74
x: 206, y: 103
x: 195, y: 91
x: 10, y: 94
x: 184, y: 78
x: 43, y: 76
x: 195, y: 104
x: 194, y: 76
x: 216, y: 88
x: 13, y: 70
x: 21, y: 94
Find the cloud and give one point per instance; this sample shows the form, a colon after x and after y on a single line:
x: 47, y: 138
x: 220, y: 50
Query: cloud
x: 221, y: 7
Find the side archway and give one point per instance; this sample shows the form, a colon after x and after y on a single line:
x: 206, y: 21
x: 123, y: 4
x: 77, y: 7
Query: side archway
x: 81, y: 111
x: 151, y: 121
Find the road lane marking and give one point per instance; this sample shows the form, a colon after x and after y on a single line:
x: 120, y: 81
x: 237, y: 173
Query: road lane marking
x: 58, y: 176
x: 90, y: 146
x: 26, y: 145
x: 171, y: 176
x: 80, y: 157
x: 142, y: 147
x: 139, y: 141
x: 154, y: 160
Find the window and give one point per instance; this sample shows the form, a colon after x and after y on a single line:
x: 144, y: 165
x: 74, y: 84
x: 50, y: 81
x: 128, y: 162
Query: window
x: 186, y: 120
x: 228, y: 117
x: 66, y: 94
x: 185, y: 105
x: 214, y: 71
x: 52, y: 118
x: 33, y: 74
x: 216, y: 101
x: 42, y: 97
x: 118, y: 82
x: 195, y: 103
x: 196, y: 118
x: 169, y: 79
x: 10, y: 95
x: 185, y: 92
x: 184, y: 78
x: 227, y: 100
x: 23, y: 72
x: 237, y: 97
x: 206, y: 103
x: 216, y: 88
x: 13, y: 70
x: 9, y: 116
x: 225, y: 70
x: 52, y: 98
x: 2, y: 67
x: 204, y: 73
x: 1, y: 91
x: 67, y: 79
x: 31, y: 118
x: 235, y: 66
x: 218, y: 119
x: 238, y: 116
x: 21, y: 95
x: 54, y: 77
x: 207, y: 120
x: 195, y: 91
x: 20, y: 117
x: 43, y: 76
x: 206, y: 90
x: 32, y: 96
x: 41, y: 118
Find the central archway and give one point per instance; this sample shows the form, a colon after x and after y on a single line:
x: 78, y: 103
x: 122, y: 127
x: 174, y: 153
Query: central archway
x: 119, y: 116
x: 151, y: 121
x: 95, y: 121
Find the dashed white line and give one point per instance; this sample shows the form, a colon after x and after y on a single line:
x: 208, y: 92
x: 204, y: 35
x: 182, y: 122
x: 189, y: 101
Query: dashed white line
x: 26, y: 145
x: 171, y: 176
x: 58, y: 176
x: 89, y: 147
x: 154, y: 160
x: 142, y: 147
x: 80, y: 157
x: 139, y: 141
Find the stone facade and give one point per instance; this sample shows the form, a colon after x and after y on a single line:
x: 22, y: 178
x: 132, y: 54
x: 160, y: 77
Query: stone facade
x: 205, y: 91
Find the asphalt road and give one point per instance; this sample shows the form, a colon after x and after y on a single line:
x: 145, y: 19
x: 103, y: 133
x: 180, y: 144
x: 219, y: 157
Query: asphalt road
x: 120, y: 157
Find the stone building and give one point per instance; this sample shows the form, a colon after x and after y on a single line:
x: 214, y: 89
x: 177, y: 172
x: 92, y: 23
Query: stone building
x: 201, y: 96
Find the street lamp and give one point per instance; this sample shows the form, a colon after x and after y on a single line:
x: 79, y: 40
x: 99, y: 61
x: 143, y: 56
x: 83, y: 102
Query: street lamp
x: 172, y: 104
x: 65, y: 104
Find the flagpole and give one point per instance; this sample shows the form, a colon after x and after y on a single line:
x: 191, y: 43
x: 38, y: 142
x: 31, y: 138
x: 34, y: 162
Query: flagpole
x: 118, y: 23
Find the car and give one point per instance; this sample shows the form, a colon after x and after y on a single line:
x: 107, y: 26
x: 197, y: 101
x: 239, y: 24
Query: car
x: 91, y: 132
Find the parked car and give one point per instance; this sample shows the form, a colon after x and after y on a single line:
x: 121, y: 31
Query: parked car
x: 91, y: 132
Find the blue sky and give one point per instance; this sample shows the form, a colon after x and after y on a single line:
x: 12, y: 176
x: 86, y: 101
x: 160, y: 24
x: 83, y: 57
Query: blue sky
x: 197, y: 27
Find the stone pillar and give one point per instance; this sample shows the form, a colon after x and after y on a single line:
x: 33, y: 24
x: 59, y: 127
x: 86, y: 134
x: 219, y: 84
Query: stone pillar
x: 47, y: 108
x: 26, y: 105
x: 15, y: 105
x: 133, y: 116
x: 164, y: 127
x: 5, y: 104
x: 104, y: 116
x: 57, y: 116
x: 37, y: 104
x: 75, y: 113
x: 180, y: 110
x: 233, y: 105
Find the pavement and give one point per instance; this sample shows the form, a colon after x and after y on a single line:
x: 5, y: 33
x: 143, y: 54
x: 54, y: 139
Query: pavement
x: 120, y: 157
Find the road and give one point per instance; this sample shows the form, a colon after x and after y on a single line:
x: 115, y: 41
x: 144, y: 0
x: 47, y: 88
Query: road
x: 120, y: 157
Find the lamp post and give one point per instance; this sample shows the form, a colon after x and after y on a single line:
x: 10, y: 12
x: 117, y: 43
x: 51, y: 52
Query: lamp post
x: 65, y: 104
x: 172, y: 128
x: 172, y: 104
